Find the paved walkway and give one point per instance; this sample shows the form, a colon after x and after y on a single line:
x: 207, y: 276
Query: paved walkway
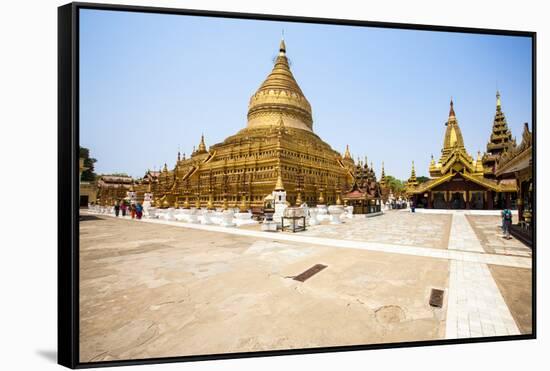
x: 475, y: 306
x: 462, y: 235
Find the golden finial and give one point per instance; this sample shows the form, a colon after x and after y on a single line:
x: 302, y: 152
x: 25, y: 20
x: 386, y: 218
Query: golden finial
x: 282, y: 46
x: 179, y: 156
x: 452, y: 110
x: 347, y: 154
x: 202, y: 146
x: 498, y: 99
x: 165, y: 168
x: 279, y: 185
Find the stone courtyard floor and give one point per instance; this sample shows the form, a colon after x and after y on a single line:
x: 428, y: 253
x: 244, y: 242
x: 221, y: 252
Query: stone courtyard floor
x: 155, y: 288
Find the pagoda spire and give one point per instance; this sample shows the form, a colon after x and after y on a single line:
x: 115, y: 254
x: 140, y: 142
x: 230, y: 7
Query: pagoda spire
x: 282, y: 47
x: 452, y: 110
x: 453, y: 134
x: 347, y: 155
x: 279, y: 186
x: 202, y: 146
x: 383, y: 176
x: 499, y: 140
x: 412, y: 182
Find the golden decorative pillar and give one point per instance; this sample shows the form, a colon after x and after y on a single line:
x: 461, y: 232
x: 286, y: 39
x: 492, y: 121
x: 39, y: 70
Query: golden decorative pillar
x: 299, y: 199
x: 244, y: 206
x: 321, y: 197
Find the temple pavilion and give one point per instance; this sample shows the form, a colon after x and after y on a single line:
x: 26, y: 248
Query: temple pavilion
x: 458, y: 181
x: 278, y: 141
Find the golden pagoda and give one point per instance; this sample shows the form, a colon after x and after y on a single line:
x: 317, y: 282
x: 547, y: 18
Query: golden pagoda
x: 277, y: 146
x: 457, y: 180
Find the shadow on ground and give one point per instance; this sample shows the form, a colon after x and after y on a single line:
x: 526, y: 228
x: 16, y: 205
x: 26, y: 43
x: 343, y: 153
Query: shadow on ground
x: 84, y: 218
x: 50, y: 355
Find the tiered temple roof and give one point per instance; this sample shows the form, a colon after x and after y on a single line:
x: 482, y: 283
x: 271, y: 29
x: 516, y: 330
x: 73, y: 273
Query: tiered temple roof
x: 499, y: 141
x: 456, y: 160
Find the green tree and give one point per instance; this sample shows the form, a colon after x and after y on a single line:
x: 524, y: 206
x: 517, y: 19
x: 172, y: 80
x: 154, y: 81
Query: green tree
x: 88, y: 175
x: 395, y: 184
x: 422, y: 179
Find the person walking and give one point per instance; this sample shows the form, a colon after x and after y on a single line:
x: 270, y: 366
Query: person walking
x: 506, y: 223
x: 117, y: 208
x: 133, y: 211
x: 139, y: 211
x: 123, y: 207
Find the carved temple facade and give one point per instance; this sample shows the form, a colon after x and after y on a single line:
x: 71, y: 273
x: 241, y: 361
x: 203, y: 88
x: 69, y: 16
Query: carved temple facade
x: 458, y: 181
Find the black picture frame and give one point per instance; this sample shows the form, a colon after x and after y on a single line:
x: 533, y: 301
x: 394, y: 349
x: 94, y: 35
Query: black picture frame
x: 68, y: 184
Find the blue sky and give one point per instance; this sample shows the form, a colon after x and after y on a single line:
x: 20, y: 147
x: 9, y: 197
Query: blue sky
x: 150, y: 84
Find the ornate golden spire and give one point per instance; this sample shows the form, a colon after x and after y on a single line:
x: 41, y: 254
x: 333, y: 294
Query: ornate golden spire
x: 413, y: 172
x: 500, y: 138
x: 280, y: 95
x: 347, y: 155
x: 165, y: 168
x: 453, y: 134
x: 479, y: 163
x: 202, y: 146
x: 412, y: 182
x: 452, y: 110
x: 279, y: 185
x: 383, y: 176
x: 282, y: 47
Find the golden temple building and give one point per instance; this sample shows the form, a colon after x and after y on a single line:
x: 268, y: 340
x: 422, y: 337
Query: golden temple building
x: 458, y: 181
x: 278, y: 142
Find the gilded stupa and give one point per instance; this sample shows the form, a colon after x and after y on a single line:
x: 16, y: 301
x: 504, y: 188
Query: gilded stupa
x: 277, y: 146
